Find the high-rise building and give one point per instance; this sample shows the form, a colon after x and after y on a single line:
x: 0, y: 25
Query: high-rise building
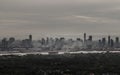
x: 99, y: 43
x: 89, y: 42
x: 30, y: 37
x: 4, y: 44
x: 84, y: 41
x: 103, y: 42
x: 84, y: 37
x: 47, y: 41
x: 109, y: 41
x: 30, y: 41
x: 112, y: 43
x: 90, y: 38
x: 11, y: 40
x: 43, y: 41
x: 117, y: 42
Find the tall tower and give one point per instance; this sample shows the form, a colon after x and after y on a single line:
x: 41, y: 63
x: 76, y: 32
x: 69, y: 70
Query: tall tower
x: 109, y: 41
x: 100, y: 43
x: 30, y: 38
x: 84, y: 41
x: 89, y: 43
x: 30, y: 41
x: 4, y: 43
x: 90, y: 38
x: 11, y: 40
x: 103, y: 42
x: 84, y: 37
x: 117, y: 42
x: 112, y: 43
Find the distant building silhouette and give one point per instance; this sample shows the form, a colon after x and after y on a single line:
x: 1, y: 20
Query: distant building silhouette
x: 90, y: 38
x: 42, y: 41
x: 4, y: 44
x: 112, y: 43
x: 109, y: 41
x: 117, y: 42
x: 103, y: 42
x: 84, y: 37
x: 30, y: 41
x: 85, y: 41
x: 89, y: 42
x: 11, y: 40
x: 30, y: 38
x: 99, y: 43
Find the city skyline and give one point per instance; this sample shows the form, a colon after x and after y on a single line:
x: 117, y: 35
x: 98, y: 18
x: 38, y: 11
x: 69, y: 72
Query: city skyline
x: 59, y: 17
x: 61, y: 43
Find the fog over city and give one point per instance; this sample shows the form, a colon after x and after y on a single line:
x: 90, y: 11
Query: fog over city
x: 59, y: 17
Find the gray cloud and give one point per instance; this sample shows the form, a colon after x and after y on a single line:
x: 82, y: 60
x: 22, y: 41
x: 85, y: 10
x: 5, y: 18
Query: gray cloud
x: 59, y: 17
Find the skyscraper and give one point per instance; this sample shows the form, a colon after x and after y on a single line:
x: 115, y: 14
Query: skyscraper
x: 30, y: 41
x: 112, y: 43
x: 103, y: 42
x: 90, y: 38
x: 11, y: 40
x: 89, y: 42
x: 84, y: 37
x: 109, y: 41
x: 30, y: 37
x: 4, y: 44
x: 117, y: 42
x: 99, y: 43
x: 85, y: 41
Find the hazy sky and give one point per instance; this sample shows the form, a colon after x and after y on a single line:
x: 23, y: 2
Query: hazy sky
x: 59, y: 17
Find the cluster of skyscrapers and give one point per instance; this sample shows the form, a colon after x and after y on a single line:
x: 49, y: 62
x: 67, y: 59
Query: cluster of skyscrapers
x: 11, y: 43
x: 87, y: 43
x: 103, y: 43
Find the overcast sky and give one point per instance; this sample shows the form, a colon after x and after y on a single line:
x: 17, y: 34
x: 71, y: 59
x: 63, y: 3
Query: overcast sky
x: 59, y: 17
